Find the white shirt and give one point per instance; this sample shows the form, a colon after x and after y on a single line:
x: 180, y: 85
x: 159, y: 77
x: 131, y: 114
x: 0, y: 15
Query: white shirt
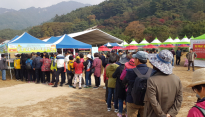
x: 60, y: 61
x: 67, y: 60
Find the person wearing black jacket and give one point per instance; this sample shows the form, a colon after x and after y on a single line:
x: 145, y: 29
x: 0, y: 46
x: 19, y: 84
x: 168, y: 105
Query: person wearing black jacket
x: 37, y: 67
x: 120, y: 93
x: 178, y: 56
x: 23, y: 67
x: 102, y: 59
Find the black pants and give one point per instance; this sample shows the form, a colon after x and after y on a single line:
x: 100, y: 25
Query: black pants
x: 38, y: 75
x: 191, y: 62
x: 97, y: 81
x: 23, y: 73
x: 178, y: 59
x: 53, y: 76
x: 70, y: 78
x: 106, y: 92
x: 60, y: 71
x: 46, y: 76
x: 34, y: 75
x: 29, y: 74
x: 18, y: 74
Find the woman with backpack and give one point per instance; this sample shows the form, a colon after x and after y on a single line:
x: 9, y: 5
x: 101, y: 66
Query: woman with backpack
x: 78, y: 72
x: 29, y: 68
x: 120, y: 93
x: 198, y: 86
x: 45, y: 68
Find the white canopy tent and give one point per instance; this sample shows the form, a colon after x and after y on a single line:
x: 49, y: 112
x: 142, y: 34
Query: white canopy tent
x: 123, y: 43
x: 169, y: 41
x: 94, y: 37
x: 133, y: 42
x: 177, y: 40
x: 156, y: 42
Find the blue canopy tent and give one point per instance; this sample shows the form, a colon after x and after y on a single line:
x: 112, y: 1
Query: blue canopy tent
x: 67, y: 42
x: 27, y: 44
x: 53, y: 39
x: 112, y: 44
x: 14, y: 38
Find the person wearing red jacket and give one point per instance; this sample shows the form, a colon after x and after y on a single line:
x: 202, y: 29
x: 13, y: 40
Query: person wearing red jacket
x: 45, y: 68
x: 78, y: 72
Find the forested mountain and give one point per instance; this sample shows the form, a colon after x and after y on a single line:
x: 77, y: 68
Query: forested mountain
x: 21, y: 19
x: 128, y: 19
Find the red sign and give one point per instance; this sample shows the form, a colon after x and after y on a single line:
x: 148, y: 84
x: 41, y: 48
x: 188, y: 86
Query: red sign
x: 199, y: 49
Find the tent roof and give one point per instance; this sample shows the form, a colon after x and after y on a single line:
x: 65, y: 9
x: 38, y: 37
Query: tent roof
x: 27, y: 38
x: 156, y: 41
x: 144, y: 41
x: 192, y: 37
x: 133, y: 42
x: 124, y: 43
x: 53, y: 39
x: 112, y: 44
x: 200, y: 37
x: 169, y: 41
x: 68, y: 42
x: 177, y: 40
x: 94, y: 36
x: 185, y: 39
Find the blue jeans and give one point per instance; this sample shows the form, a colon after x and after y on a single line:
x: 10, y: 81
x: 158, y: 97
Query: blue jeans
x: 88, y: 78
x: 3, y: 74
x: 173, y: 61
x: 111, y: 91
x: 120, y: 105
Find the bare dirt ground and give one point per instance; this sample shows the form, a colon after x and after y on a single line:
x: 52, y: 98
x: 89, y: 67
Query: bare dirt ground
x: 20, y: 99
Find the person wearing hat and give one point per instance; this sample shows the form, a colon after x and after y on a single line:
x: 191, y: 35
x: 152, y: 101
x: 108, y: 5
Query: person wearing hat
x: 78, y: 72
x: 88, y: 65
x: 37, y: 67
x: 163, y: 96
x: 140, y: 60
x: 120, y: 93
x: 198, y: 86
x: 17, y: 66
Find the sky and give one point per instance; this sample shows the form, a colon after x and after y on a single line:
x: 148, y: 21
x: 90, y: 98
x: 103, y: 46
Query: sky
x: 23, y: 4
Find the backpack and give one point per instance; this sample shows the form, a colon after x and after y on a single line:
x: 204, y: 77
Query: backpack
x: 201, y: 110
x: 28, y: 65
x: 140, y: 86
x: 71, y: 68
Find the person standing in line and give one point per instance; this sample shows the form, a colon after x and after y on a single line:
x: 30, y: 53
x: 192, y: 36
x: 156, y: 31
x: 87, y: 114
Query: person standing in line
x: 110, y: 69
x: 163, y: 96
x: 70, y: 71
x: 60, y: 68
x: 97, y: 66
x: 82, y: 61
x: 120, y: 93
x: 33, y: 71
x: 3, y: 66
x: 88, y: 65
x: 173, y: 53
x: 191, y: 57
x: 67, y: 55
x: 53, y: 68
x: 102, y: 59
x: 17, y: 66
x: 178, y: 56
x: 37, y: 67
x: 29, y: 68
x: 23, y: 67
x: 45, y: 68
x: 78, y: 72
x: 198, y: 86
x: 140, y: 60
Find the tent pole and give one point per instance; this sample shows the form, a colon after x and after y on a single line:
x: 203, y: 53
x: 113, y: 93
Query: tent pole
x: 9, y: 66
x: 73, y: 51
x: 62, y: 50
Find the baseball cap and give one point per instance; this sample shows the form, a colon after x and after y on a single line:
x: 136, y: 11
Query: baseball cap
x: 38, y: 53
x: 89, y: 56
x: 16, y: 54
x: 141, y: 55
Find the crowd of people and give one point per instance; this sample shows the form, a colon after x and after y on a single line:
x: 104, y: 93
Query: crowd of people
x: 146, y: 92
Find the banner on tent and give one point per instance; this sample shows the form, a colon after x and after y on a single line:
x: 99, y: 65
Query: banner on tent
x: 199, y: 49
x: 94, y: 50
x: 28, y: 48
